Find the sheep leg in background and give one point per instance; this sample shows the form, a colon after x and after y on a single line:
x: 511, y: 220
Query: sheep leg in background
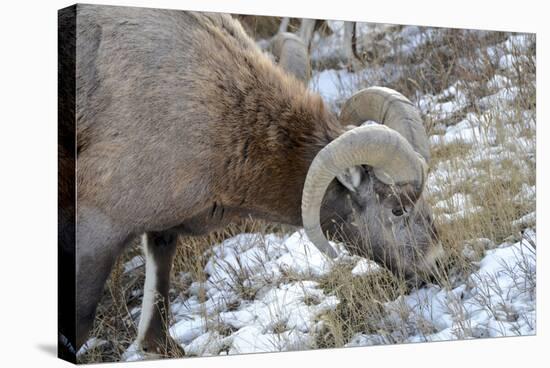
x: 284, y: 25
x: 306, y: 31
x: 352, y: 59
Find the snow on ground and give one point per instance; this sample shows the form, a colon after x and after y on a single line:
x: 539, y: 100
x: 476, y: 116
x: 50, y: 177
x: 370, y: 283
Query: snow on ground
x: 459, y: 205
x: 250, y: 292
x: 496, y: 300
x: 92, y: 343
x: 281, y: 315
x: 262, y: 292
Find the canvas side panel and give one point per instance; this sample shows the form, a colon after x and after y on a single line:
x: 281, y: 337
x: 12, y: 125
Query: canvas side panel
x: 66, y: 272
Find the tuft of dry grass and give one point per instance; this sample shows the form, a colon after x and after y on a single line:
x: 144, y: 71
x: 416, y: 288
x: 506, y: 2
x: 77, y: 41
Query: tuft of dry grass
x: 361, y: 307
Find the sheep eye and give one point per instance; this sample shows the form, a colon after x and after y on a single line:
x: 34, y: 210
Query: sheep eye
x: 397, y: 212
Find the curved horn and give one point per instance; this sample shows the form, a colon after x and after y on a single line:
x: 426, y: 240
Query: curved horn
x: 291, y: 53
x: 391, y: 108
x: 393, y: 159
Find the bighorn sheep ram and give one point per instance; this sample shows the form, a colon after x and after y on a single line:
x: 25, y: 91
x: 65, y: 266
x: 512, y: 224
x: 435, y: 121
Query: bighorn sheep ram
x: 349, y: 43
x: 184, y: 125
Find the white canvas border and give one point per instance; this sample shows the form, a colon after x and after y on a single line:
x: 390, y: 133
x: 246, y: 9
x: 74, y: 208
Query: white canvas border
x: 29, y: 164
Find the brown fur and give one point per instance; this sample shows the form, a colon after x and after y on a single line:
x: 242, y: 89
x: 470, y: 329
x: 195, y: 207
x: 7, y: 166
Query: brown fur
x: 229, y: 129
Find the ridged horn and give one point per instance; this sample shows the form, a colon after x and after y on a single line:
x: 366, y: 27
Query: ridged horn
x: 389, y: 107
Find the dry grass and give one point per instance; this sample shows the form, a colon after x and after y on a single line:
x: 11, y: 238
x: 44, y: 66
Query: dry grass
x: 429, y: 70
x: 446, y: 57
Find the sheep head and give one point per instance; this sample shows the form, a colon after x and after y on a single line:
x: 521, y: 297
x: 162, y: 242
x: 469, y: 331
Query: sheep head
x: 376, y: 204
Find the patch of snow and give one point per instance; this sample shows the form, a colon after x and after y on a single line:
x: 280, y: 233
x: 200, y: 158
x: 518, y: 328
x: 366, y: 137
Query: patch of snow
x: 498, y: 82
x: 251, y: 339
x: 333, y: 84
x: 519, y: 43
x: 207, y: 344
x: 133, y: 353
x: 366, y: 340
x: 414, y: 37
x: 457, y: 201
x: 526, y: 193
x: 91, y: 344
x: 528, y: 220
x: 504, y: 95
x: 465, y: 132
x: 510, y: 61
x: 187, y: 329
x: 458, y: 206
x: 365, y: 267
x: 134, y: 263
x: 302, y: 257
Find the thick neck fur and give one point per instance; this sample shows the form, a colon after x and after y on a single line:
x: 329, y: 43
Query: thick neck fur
x: 181, y: 112
x: 272, y: 129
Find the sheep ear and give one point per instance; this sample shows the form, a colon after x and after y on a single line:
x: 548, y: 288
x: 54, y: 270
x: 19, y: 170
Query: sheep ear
x: 352, y: 178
